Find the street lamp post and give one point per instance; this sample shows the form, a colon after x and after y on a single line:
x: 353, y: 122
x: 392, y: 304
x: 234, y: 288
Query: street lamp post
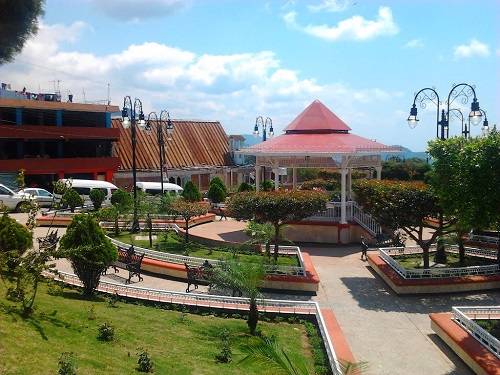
x: 133, y: 116
x: 260, y: 123
x: 163, y: 120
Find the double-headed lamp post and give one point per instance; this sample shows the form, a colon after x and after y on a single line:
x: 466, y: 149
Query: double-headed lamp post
x: 462, y: 90
x: 133, y: 116
x: 260, y: 123
x: 161, y: 122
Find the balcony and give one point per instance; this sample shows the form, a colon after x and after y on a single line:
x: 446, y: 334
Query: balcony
x: 32, y: 132
x: 54, y: 166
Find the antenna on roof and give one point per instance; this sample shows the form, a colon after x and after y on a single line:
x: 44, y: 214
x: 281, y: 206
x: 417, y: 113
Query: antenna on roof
x: 109, y: 100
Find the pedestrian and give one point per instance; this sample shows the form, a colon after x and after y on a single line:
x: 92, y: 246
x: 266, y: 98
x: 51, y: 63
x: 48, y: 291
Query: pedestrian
x: 364, y: 249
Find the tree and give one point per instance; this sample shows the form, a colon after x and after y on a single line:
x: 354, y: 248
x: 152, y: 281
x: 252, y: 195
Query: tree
x: 15, y: 239
x: 188, y: 210
x: 216, y: 193
x: 122, y: 202
x: 267, y: 185
x: 72, y: 199
x: 97, y: 196
x: 277, y: 208
x: 148, y: 205
x: 191, y: 193
x: 466, y: 177
x: 261, y: 233
x: 245, y: 277
x: 217, y: 181
x: 88, y: 250
x: 245, y: 187
x: 406, y: 170
x: 18, y: 22
x: 402, y: 205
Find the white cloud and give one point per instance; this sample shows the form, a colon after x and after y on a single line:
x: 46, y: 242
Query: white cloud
x: 415, y: 43
x: 135, y: 10
x: 354, y: 28
x: 231, y: 88
x: 330, y: 6
x: 473, y: 49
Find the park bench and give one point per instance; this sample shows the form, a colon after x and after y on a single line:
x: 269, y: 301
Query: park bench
x: 130, y: 260
x: 197, y: 275
x: 48, y: 242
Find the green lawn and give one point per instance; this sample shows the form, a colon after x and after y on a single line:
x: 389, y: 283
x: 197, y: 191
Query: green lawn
x: 490, y: 325
x: 177, y: 345
x: 172, y: 243
x: 415, y: 260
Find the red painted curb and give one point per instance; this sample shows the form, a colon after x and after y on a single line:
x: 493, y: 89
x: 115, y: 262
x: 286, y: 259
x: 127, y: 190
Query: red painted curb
x: 339, y: 342
x: 477, y: 352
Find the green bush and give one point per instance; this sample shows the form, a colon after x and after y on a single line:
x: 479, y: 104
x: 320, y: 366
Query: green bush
x: 66, y: 364
x: 106, y: 332
x: 14, y: 237
x: 97, y: 196
x: 245, y: 187
x: 216, y: 193
x: 217, y: 181
x: 191, y: 193
x: 225, y: 354
x: 121, y: 199
x: 88, y: 250
x: 267, y: 185
x: 144, y: 362
x: 328, y: 185
x: 72, y: 199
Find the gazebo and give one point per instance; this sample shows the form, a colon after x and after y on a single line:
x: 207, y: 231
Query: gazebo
x: 317, y: 138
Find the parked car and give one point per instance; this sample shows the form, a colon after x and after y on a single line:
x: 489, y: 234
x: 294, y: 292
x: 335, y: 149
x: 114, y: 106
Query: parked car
x: 154, y: 188
x: 12, y: 200
x: 42, y: 196
x: 83, y: 187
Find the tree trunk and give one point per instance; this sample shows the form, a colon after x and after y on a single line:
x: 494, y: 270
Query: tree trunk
x: 117, y: 230
x: 461, y: 249
x: 268, y: 249
x: 425, y: 245
x: 276, y: 242
x: 150, y: 230
x: 253, y: 316
x: 186, y: 233
x: 440, y: 256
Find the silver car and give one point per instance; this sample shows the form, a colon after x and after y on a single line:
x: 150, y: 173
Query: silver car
x: 13, y: 201
x: 43, y: 197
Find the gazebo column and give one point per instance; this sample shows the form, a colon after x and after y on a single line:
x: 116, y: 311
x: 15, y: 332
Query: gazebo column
x: 257, y: 177
x: 294, y: 177
x: 343, y: 225
x: 349, y: 184
x: 276, y: 178
x: 379, y: 172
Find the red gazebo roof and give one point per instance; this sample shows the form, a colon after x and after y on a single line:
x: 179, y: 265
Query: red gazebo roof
x: 317, y: 131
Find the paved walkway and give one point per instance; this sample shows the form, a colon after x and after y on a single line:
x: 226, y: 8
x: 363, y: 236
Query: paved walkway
x: 390, y: 332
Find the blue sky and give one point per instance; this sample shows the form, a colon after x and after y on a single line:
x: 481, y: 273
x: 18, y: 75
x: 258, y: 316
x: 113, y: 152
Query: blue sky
x: 234, y: 60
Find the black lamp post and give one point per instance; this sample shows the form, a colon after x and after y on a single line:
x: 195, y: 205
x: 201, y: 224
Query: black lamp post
x: 164, y: 119
x: 260, y: 123
x: 463, y: 91
x: 133, y: 116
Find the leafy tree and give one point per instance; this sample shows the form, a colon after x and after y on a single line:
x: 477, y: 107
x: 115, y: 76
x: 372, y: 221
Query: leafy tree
x: 261, y: 233
x: 20, y: 178
x: 122, y: 203
x: 406, y: 170
x: 328, y: 185
x: 165, y: 204
x: 267, y: 185
x: 466, y: 178
x: 97, y: 196
x: 216, y: 193
x: 191, y: 193
x: 148, y: 205
x: 402, y: 205
x: 18, y: 22
x: 245, y: 187
x: 217, y: 181
x: 72, y: 199
x: 277, y: 208
x: 188, y: 210
x: 14, y: 237
x: 245, y: 277
x: 88, y: 250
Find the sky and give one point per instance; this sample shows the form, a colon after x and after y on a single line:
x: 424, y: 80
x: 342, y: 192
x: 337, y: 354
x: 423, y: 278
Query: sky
x: 231, y: 61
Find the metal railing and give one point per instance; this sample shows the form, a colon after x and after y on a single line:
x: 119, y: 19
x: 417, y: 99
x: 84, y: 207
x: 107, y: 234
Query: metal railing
x: 122, y: 225
x: 214, y: 301
x: 270, y: 269
x: 487, y: 239
x: 364, y: 220
x: 465, y: 316
x: 388, y: 253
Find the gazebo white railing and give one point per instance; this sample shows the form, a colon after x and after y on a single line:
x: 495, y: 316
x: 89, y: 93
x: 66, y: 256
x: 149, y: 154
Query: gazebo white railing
x: 465, y: 316
x: 214, y: 301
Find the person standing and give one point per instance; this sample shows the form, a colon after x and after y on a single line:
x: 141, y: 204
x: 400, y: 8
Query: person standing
x: 364, y: 249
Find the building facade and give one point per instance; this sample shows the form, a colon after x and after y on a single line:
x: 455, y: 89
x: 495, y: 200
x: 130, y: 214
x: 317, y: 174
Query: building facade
x: 50, y: 139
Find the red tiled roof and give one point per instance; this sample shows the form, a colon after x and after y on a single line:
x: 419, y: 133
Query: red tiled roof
x: 193, y: 144
x: 329, y: 143
x: 317, y: 118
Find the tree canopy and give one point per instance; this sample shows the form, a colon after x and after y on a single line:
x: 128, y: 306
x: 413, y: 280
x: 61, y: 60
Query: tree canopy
x: 413, y: 169
x: 18, y: 22
x: 191, y: 192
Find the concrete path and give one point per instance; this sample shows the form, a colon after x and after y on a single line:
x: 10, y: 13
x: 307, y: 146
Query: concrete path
x: 229, y: 230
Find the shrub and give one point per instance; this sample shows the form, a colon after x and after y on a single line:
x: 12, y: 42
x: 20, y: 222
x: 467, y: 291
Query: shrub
x: 216, y: 193
x: 328, y: 185
x: 97, y: 196
x: 122, y: 200
x: 217, y: 181
x: 267, y: 185
x: 88, y: 250
x: 225, y: 354
x: 66, y: 364
x: 191, y: 193
x: 71, y: 199
x: 144, y: 361
x: 14, y: 237
x: 106, y: 332
x: 245, y: 187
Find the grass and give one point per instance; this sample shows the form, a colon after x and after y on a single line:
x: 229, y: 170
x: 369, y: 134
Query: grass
x: 172, y: 243
x: 490, y: 325
x: 179, y: 343
x: 415, y: 260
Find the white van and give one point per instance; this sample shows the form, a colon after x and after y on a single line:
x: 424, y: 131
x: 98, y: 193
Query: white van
x: 154, y: 188
x: 83, y: 187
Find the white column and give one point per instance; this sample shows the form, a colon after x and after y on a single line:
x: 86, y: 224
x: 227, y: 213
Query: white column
x: 343, y: 213
x: 199, y: 181
x: 257, y: 177
x: 379, y: 172
x: 276, y: 178
x: 349, y: 183
x: 294, y: 177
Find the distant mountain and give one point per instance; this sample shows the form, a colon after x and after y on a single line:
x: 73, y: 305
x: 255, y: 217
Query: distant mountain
x: 251, y: 139
x: 405, y: 153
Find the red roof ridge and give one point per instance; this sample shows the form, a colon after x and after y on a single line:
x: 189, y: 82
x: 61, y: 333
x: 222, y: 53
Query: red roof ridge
x: 317, y: 118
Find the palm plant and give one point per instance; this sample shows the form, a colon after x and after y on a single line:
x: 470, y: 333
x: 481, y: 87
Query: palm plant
x: 261, y: 233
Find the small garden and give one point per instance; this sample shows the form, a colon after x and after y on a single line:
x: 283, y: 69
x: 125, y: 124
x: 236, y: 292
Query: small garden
x: 414, y: 261
x: 492, y: 326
